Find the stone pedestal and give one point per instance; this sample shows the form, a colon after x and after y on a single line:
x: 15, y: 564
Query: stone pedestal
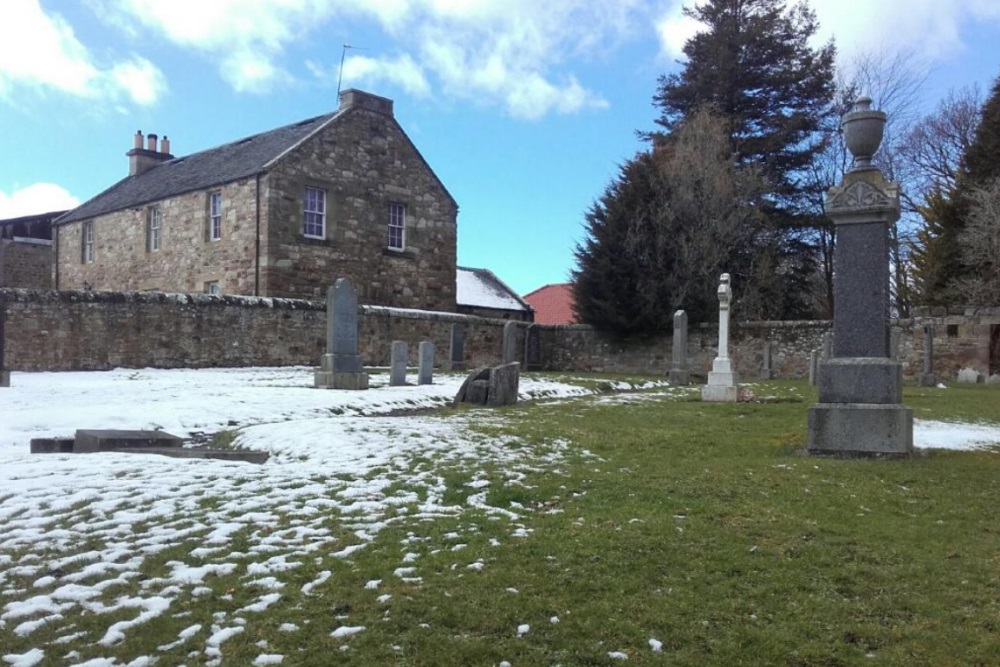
x: 860, y: 410
x: 327, y: 377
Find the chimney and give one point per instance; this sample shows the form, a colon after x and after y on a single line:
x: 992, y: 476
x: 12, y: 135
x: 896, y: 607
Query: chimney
x: 141, y: 160
x: 354, y: 98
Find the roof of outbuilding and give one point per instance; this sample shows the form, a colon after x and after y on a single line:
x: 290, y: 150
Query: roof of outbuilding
x: 480, y: 288
x: 223, y: 164
x: 553, y: 304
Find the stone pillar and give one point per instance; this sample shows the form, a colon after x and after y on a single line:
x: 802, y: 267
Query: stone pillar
x: 927, y: 378
x: 766, y: 368
x: 679, y: 373
x: 397, y: 364
x: 827, y: 345
x: 425, y: 364
x: 509, y: 342
x: 340, y: 367
x: 457, y: 353
x: 814, y: 368
x: 4, y: 373
x: 721, y: 387
x: 860, y: 408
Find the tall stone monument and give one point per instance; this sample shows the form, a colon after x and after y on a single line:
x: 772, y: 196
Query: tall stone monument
x: 341, y: 367
x: 721, y: 387
x: 679, y: 373
x: 860, y: 409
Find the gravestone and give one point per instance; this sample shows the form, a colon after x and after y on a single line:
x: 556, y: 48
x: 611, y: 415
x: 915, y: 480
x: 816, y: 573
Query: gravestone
x: 533, y: 349
x: 509, y: 342
x: 721, y: 387
x: 927, y: 378
x: 993, y: 379
x: 457, y: 352
x: 341, y: 367
x: 894, y: 340
x: 397, y: 364
x: 4, y: 373
x: 969, y: 376
x: 89, y: 441
x: 766, y: 369
x: 860, y: 409
x: 814, y: 368
x: 490, y: 386
x: 679, y: 373
x: 827, y: 345
x: 425, y: 362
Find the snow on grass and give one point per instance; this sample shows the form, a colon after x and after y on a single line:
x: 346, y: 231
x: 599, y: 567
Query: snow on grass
x: 953, y: 435
x: 346, y: 631
x: 29, y: 659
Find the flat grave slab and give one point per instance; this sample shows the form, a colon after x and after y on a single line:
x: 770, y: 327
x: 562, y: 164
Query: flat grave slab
x: 106, y: 440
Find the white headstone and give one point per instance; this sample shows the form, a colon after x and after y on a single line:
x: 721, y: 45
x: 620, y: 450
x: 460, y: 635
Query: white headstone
x: 721, y: 387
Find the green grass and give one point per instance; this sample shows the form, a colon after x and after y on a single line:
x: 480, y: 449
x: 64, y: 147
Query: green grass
x: 703, y: 526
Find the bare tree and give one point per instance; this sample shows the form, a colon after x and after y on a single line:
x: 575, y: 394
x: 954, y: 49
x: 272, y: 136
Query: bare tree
x: 979, y: 244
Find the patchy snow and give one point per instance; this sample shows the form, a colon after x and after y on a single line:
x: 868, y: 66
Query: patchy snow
x: 346, y: 631
x: 29, y: 659
x: 954, y: 435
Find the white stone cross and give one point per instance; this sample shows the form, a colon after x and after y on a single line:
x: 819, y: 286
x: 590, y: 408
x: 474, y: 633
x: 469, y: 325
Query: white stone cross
x: 721, y: 387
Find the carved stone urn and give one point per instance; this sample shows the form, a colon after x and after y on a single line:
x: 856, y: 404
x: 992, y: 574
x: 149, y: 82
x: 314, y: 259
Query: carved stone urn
x: 863, y: 130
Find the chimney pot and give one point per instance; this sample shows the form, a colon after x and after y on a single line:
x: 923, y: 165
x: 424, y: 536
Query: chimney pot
x: 151, y: 142
x: 165, y: 145
x: 137, y: 140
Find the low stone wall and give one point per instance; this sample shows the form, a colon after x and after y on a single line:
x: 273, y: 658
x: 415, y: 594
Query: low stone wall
x: 72, y: 330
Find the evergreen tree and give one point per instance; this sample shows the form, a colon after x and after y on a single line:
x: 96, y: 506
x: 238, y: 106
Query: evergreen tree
x: 981, y: 162
x: 754, y: 65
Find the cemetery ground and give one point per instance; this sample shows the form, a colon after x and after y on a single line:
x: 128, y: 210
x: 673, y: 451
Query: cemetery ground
x: 601, y: 520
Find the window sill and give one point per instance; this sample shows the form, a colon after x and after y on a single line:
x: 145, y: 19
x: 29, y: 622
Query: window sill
x: 399, y: 254
x: 312, y: 240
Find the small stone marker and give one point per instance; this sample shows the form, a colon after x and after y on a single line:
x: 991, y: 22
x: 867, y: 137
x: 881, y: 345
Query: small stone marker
x: 397, y: 364
x: 721, y: 387
x: 827, y: 345
x: 814, y: 367
x: 969, y: 376
x: 533, y: 348
x: 490, y: 386
x: 340, y: 367
x: 457, y: 352
x: 4, y: 373
x: 766, y: 370
x: 927, y: 378
x: 425, y: 366
x: 509, y: 342
x: 679, y: 373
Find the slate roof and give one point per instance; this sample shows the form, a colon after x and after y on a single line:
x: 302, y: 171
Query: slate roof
x: 553, y: 304
x: 480, y: 288
x: 215, y: 166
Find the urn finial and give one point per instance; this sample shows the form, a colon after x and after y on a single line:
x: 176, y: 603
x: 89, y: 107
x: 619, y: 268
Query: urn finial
x: 863, y: 130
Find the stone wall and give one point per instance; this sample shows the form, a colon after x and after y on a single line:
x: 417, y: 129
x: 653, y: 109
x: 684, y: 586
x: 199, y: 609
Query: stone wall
x: 26, y: 262
x: 73, y: 330
x: 186, y: 259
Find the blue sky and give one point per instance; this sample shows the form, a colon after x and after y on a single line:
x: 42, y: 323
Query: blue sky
x: 524, y: 109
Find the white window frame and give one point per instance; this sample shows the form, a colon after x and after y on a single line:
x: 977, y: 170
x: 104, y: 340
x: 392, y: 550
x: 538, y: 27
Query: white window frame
x: 314, y: 213
x: 155, y: 229
x: 88, y: 242
x: 397, y: 226
x: 215, y: 215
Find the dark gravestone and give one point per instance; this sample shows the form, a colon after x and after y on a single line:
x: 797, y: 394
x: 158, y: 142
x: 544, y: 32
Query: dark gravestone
x: 509, y: 342
x: 679, y: 373
x: 860, y: 408
x: 341, y: 367
x: 766, y: 367
x: 138, y: 442
x: 108, y: 440
x: 52, y: 445
x: 457, y: 352
x: 927, y: 378
x: 504, y: 382
x: 425, y: 363
x: 533, y: 349
x: 4, y: 373
x: 397, y: 364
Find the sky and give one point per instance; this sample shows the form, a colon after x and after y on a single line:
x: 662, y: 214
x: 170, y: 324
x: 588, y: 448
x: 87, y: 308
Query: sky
x: 524, y: 109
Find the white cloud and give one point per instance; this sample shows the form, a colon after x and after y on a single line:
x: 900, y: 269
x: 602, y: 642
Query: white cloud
x: 402, y: 71
x: 36, y: 198
x: 40, y: 50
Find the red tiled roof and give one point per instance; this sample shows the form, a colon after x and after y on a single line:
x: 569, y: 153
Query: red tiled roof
x: 553, y: 304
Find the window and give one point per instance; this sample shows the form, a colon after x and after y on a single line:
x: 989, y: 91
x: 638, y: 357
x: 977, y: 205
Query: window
x: 212, y: 287
x: 397, y: 226
x: 214, y: 216
x: 952, y: 331
x: 88, y: 242
x: 155, y: 229
x: 314, y: 214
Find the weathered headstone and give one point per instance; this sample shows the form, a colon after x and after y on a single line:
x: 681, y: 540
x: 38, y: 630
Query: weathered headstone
x: 766, y: 368
x: 397, y: 364
x: 509, y: 342
x: 425, y: 362
x: 88, y: 441
x: 860, y: 408
x: 4, y: 373
x: 721, y: 387
x: 814, y: 368
x: 341, y: 367
x: 457, y: 352
x: 533, y: 349
x: 466, y: 393
x: 969, y: 376
x: 927, y: 378
x: 679, y: 373
x: 504, y: 382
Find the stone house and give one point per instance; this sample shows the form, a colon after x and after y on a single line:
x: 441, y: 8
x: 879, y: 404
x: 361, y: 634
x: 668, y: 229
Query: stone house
x: 278, y: 214
x: 26, y: 251
x: 481, y: 293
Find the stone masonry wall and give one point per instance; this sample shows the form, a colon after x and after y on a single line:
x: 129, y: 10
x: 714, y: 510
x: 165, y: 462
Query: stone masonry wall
x: 75, y: 330
x: 363, y: 161
x: 186, y: 260
x: 26, y: 263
